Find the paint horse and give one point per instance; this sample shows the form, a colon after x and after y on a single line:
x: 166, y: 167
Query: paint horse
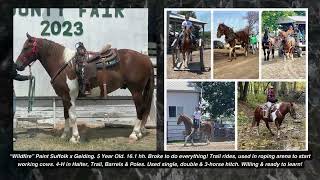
x: 231, y: 38
x: 277, y: 114
x: 205, y: 127
x: 186, y: 48
x: 289, y: 44
x: 134, y: 71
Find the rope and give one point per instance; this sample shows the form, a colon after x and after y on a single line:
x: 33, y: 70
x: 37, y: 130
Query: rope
x: 31, y: 91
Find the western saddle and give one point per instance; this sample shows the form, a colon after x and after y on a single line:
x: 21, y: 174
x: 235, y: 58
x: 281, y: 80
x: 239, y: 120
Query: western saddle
x: 88, y: 62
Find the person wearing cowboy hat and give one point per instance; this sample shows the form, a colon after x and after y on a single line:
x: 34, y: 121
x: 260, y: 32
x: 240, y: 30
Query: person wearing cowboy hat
x: 271, y: 99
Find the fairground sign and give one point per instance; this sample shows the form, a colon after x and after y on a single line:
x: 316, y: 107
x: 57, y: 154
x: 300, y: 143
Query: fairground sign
x: 95, y: 27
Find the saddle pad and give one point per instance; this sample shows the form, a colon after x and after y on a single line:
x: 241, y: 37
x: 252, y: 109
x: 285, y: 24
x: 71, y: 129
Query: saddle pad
x: 108, y: 60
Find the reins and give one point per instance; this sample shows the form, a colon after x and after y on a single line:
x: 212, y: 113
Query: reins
x: 59, y: 71
x: 32, y: 83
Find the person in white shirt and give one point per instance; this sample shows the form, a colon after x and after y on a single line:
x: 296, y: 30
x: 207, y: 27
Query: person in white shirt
x: 186, y: 24
x: 196, y: 118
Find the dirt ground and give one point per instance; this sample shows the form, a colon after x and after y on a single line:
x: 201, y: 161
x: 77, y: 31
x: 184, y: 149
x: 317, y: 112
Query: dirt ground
x: 277, y: 68
x: 213, y: 146
x: 241, y: 68
x: 292, y: 132
x: 92, y: 138
x: 172, y: 74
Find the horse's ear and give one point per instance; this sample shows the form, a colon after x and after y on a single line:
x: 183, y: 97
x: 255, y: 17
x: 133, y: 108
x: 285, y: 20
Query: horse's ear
x: 28, y: 36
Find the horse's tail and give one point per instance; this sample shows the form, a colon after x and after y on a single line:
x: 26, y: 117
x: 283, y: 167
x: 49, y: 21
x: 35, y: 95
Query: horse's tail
x: 148, y: 97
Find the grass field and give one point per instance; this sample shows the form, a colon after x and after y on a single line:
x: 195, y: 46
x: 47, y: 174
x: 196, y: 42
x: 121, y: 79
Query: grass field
x: 92, y: 139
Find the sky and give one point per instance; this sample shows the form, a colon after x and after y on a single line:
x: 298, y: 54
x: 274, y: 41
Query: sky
x: 204, y: 16
x: 233, y: 19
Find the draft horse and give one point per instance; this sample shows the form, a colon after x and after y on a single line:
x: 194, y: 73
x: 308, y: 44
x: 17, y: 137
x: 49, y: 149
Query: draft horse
x: 186, y: 48
x: 205, y: 127
x: 268, y: 43
x: 134, y: 71
x: 232, y: 37
x: 277, y: 115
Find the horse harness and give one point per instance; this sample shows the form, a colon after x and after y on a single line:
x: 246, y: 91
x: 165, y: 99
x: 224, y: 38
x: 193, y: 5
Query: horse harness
x: 230, y: 35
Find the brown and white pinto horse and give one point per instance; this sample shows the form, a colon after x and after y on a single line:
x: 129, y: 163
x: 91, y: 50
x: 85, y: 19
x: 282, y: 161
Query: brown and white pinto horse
x: 134, y: 71
x: 277, y: 114
x: 231, y: 37
x: 186, y: 47
x: 205, y: 127
x: 288, y: 44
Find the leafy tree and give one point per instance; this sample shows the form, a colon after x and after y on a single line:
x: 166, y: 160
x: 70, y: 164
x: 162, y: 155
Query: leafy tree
x: 270, y: 18
x: 220, y: 97
x: 191, y: 13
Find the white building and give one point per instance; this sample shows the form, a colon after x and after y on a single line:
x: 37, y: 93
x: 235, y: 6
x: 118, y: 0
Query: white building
x: 182, y: 97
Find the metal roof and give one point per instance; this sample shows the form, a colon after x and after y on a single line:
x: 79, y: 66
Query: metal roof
x: 182, y: 86
x: 292, y: 19
x: 179, y: 17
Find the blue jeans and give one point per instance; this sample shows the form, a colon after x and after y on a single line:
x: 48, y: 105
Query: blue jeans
x: 196, y: 123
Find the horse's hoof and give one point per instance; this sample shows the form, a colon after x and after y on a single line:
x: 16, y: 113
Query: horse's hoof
x: 133, y: 137
x: 139, y: 135
x: 64, y: 135
x: 144, y: 131
x: 75, y: 140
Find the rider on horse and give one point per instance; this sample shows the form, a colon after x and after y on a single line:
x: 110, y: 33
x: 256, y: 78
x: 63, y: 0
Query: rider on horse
x: 271, y: 99
x: 81, y: 61
x: 186, y: 24
x: 196, y: 118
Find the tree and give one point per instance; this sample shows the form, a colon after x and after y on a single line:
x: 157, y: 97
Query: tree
x: 270, y: 18
x: 191, y: 13
x: 253, y: 19
x: 243, y: 91
x: 220, y: 97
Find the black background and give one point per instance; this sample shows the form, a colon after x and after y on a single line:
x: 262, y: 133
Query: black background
x: 9, y: 171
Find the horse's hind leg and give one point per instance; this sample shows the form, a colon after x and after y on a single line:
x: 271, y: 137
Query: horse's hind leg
x: 138, y: 101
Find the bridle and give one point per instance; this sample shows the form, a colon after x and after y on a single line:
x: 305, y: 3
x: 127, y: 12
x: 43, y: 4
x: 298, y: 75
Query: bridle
x: 33, y: 53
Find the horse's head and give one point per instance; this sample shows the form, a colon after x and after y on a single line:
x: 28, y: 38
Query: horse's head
x: 186, y: 33
x: 292, y: 110
x: 221, y: 29
x: 180, y: 119
x: 29, y: 53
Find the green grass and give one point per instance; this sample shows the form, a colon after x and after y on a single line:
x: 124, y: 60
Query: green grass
x: 255, y: 100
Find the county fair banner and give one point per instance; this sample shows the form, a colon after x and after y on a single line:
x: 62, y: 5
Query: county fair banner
x: 95, y: 27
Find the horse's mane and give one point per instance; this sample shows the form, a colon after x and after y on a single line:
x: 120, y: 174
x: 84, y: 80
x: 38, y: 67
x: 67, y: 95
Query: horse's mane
x: 50, y: 42
x: 186, y: 117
